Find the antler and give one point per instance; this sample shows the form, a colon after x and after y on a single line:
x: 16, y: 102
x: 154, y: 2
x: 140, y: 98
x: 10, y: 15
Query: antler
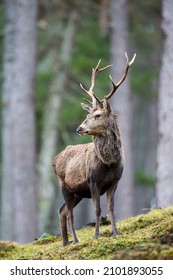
x: 115, y: 86
x: 90, y: 92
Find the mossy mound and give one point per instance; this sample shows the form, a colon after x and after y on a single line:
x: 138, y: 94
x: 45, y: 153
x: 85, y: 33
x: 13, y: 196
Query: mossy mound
x: 7, y: 249
x: 148, y: 236
x: 146, y: 252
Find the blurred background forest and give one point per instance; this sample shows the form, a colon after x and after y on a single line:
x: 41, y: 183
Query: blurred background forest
x: 47, y: 49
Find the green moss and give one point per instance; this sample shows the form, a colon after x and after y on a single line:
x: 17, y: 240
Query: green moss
x: 9, y: 250
x: 148, y: 236
x: 146, y: 252
x: 46, y: 239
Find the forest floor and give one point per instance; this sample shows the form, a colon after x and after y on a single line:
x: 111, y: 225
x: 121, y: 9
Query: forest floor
x: 148, y: 236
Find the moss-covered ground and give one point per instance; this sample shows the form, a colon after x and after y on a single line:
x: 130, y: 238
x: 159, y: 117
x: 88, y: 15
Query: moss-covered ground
x: 148, y: 236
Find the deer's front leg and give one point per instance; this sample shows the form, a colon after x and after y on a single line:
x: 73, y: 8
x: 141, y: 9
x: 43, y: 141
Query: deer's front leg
x: 110, y: 204
x: 96, y: 199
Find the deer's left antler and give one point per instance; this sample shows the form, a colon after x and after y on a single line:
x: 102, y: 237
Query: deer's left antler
x: 116, y: 86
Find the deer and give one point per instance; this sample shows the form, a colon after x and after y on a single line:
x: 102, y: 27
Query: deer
x: 92, y: 169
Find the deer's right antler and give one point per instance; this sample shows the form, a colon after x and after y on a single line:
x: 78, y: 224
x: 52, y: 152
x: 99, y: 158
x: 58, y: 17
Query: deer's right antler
x: 90, y: 92
x: 95, y: 71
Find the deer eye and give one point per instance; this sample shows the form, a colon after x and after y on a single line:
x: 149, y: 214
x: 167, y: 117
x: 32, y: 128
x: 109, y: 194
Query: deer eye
x: 97, y: 116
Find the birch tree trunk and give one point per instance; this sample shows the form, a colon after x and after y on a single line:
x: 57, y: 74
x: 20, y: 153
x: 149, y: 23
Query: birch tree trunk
x: 60, y: 64
x: 19, y: 129
x: 164, y: 186
x: 121, y: 102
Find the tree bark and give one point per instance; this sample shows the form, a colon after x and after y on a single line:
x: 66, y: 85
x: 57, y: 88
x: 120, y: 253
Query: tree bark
x: 7, y: 193
x: 104, y: 17
x: 164, y: 186
x: 20, y: 135
x: 60, y: 65
x: 121, y: 103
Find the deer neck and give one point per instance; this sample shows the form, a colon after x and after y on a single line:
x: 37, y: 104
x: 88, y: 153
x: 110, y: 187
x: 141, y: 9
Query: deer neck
x: 108, y: 146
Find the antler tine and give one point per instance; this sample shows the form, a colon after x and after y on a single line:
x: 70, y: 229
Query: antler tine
x: 115, y: 86
x: 90, y: 92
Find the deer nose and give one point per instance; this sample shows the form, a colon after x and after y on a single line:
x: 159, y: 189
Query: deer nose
x: 79, y: 129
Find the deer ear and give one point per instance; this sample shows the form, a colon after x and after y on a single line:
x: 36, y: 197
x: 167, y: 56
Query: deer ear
x: 106, y: 105
x: 86, y: 107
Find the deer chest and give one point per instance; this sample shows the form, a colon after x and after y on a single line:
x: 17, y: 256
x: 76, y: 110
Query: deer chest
x: 105, y: 176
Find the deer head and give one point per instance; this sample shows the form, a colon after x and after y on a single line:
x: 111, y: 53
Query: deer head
x: 99, y: 114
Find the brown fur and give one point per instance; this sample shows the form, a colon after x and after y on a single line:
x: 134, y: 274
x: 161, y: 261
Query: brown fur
x: 90, y: 170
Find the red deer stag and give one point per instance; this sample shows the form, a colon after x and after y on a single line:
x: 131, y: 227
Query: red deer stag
x: 90, y: 170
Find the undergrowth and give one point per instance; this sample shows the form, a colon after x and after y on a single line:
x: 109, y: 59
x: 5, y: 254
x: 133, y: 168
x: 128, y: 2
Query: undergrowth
x: 148, y: 236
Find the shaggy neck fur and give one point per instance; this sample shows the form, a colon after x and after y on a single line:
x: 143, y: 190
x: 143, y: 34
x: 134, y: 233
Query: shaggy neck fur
x: 108, y: 146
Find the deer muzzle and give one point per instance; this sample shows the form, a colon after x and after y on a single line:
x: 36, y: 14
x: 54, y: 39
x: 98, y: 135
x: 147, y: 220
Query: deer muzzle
x: 79, y: 130
x: 82, y: 131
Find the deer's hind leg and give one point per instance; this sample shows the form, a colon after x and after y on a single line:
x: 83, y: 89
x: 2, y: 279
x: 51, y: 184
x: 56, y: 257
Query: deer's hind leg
x: 70, y: 205
x: 63, y: 223
x: 71, y: 200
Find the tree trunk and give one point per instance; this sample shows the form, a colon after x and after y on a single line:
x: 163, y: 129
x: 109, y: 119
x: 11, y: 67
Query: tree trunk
x: 121, y: 102
x: 61, y: 60
x: 7, y: 202
x: 164, y: 186
x: 104, y: 17
x: 20, y: 135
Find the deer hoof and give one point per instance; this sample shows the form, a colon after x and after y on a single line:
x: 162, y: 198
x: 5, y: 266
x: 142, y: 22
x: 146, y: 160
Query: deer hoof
x: 115, y: 233
x: 96, y: 236
x: 75, y: 241
x: 65, y: 243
